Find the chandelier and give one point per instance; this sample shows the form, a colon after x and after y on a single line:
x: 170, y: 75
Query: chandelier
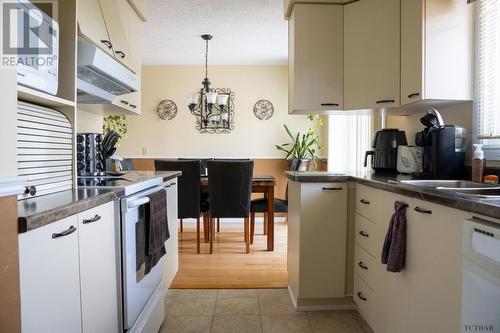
x: 212, y: 107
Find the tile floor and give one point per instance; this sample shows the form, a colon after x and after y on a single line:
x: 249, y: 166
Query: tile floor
x: 250, y: 310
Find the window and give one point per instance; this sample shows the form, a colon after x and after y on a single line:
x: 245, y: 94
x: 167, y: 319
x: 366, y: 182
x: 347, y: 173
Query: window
x: 349, y: 137
x: 487, y: 99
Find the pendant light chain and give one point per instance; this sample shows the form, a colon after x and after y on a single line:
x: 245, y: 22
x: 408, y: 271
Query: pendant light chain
x: 206, y: 60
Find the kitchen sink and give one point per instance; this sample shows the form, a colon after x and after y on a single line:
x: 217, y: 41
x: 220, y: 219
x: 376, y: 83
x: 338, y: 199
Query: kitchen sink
x: 448, y: 184
x: 492, y: 192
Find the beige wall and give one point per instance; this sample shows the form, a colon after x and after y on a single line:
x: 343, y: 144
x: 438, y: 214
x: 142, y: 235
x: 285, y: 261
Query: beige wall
x: 178, y: 137
x: 88, y: 122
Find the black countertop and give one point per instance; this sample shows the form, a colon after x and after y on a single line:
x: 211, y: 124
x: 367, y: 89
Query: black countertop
x: 486, y: 207
x: 37, y: 212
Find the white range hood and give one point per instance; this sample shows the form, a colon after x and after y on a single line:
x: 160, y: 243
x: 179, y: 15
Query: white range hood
x: 101, y: 78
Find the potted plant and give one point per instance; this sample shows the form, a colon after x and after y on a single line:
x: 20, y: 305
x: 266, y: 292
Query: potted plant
x: 301, y: 150
x: 115, y: 123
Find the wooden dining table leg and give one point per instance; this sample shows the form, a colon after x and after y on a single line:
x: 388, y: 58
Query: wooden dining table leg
x: 252, y: 227
x: 198, y: 235
x: 270, y: 218
x: 266, y: 221
x: 206, y: 228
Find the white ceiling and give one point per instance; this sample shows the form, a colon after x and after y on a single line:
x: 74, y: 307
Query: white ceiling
x: 245, y: 32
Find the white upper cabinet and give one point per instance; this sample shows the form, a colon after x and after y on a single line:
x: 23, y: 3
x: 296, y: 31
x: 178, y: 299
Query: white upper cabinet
x: 371, y: 54
x: 315, y: 58
x: 437, y: 39
x: 91, y: 24
x: 115, y: 25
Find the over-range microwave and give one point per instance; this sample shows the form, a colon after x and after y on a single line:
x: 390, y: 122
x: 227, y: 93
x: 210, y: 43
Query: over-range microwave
x: 38, y: 49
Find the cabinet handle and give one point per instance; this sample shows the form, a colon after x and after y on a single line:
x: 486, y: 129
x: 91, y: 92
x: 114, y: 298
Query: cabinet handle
x: 71, y: 230
x: 107, y: 43
x: 383, y: 101
x: 329, y: 104
x: 121, y: 54
x: 124, y: 102
x: 423, y: 211
x: 361, y: 297
x: 364, y: 234
x: 92, y: 220
x: 133, y: 106
x: 363, y: 201
x: 332, y: 189
x: 170, y: 185
x: 363, y: 266
x: 413, y: 95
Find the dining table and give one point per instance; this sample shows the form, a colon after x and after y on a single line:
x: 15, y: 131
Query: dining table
x: 264, y: 185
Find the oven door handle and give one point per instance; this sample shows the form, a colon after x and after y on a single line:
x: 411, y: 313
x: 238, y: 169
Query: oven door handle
x: 138, y: 202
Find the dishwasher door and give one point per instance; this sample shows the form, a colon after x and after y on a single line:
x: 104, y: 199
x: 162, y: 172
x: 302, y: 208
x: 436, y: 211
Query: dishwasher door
x: 481, y: 277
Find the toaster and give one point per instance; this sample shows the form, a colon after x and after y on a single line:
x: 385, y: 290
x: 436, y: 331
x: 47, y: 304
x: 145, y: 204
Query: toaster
x: 409, y: 159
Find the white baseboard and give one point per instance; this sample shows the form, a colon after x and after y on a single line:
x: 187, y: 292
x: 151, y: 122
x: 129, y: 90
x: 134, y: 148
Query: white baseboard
x: 319, y: 307
x: 258, y: 219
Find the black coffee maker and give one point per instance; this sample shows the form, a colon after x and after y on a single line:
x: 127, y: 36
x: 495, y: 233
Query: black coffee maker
x: 385, y: 150
x: 441, y: 158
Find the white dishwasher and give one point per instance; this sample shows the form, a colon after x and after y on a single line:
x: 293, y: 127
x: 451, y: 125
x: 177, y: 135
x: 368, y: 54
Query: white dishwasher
x: 481, y: 276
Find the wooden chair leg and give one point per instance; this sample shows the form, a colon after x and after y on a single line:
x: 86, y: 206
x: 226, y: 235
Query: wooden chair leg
x: 182, y: 229
x: 247, y: 240
x: 212, y: 229
x: 218, y: 225
x: 206, y: 228
x: 252, y: 227
x: 266, y: 219
x: 198, y: 235
x: 286, y: 218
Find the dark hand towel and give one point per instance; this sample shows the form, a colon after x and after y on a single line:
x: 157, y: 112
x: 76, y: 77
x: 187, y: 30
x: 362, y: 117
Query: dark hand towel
x: 156, y: 228
x: 394, y: 250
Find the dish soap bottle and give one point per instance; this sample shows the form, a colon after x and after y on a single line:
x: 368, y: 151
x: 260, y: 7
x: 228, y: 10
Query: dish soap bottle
x: 478, y: 164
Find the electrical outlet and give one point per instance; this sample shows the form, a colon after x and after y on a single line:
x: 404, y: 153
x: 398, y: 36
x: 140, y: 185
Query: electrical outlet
x: 144, y: 151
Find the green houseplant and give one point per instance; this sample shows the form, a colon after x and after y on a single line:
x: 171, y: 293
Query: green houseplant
x: 302, y: 149
x: 117, y: 123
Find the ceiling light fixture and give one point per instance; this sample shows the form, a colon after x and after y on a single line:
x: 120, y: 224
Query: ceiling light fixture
x: 212, y: 107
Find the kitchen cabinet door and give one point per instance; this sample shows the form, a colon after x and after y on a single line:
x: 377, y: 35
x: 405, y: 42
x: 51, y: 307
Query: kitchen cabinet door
x: 91, y: 24
x: 323, y: 237
x: 50, y: 278
x: 434, y: 266
x: 115, y: 25
x: 99, y: 250
x: 371, y: 54
x: 172, y: 244
x: 315, y: 58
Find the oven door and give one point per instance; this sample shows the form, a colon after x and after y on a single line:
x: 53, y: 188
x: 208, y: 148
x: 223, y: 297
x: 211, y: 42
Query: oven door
x: 137, y: 287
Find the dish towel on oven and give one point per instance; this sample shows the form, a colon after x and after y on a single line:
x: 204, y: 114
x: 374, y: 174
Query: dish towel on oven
x: 394, y: 250
x: 156, y: 228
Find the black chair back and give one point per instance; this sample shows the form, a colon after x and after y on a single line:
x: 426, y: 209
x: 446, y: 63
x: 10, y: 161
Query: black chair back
x: 189, y: 190
x: 230, y: 188
x: 203, y: 163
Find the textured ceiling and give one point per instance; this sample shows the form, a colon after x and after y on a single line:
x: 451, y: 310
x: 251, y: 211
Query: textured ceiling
x: 245, y: 32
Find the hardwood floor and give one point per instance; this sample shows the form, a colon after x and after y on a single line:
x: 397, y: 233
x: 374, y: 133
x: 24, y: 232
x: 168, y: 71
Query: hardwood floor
x: 229, y: 266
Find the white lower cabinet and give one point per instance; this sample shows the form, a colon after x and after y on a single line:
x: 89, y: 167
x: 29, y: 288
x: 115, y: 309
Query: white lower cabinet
x: 68, y: 274
x: 426, y: 295
x: 98, y: 270
x: 50, y: 278
x: 317, y: 236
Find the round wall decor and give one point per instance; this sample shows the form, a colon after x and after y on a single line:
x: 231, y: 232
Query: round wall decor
x: 167, y: 109
x: 263, y: 109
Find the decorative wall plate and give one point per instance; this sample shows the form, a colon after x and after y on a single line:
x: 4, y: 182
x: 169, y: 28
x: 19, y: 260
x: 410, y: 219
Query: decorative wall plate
x: 263, y: 109
x: 167, y: 109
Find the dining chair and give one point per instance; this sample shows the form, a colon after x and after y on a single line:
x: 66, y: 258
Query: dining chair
x: 260, y: 206
x: 228, y: 160
x: 189, y: 201
x: 229, y: 190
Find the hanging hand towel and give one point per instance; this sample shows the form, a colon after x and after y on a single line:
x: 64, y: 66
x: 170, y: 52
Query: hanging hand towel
x: 394, y: 250
x: 156, y: 228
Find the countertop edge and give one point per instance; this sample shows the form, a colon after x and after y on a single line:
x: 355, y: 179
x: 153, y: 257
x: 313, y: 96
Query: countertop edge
x: 453, y: 201
x: 41, y: 219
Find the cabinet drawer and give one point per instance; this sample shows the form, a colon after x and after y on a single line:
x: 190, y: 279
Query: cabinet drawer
x: 364, y: 297
x: 364, y: 265
x: 99, y: 214
x: 365, y: 235
x: 367, y: 203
